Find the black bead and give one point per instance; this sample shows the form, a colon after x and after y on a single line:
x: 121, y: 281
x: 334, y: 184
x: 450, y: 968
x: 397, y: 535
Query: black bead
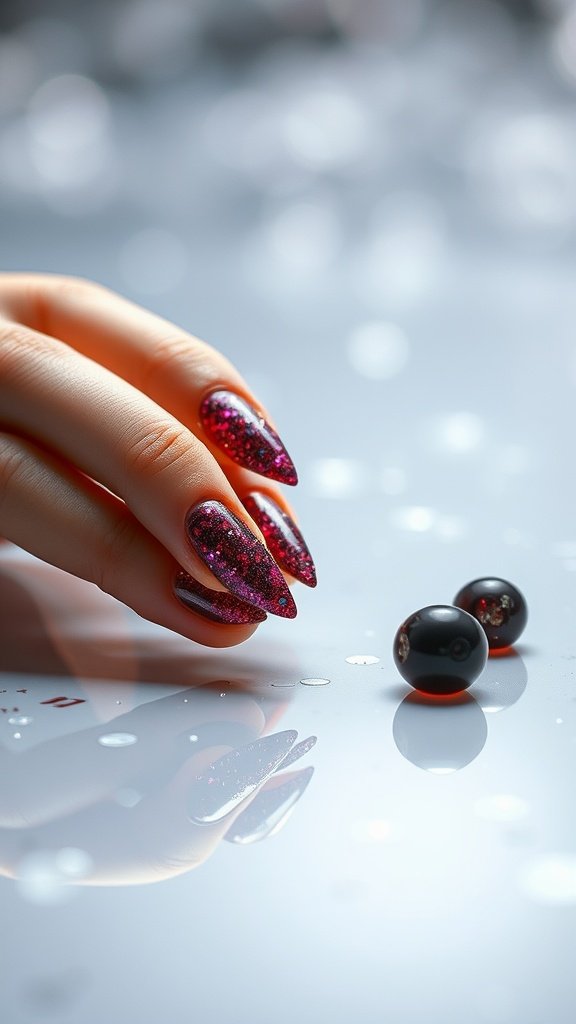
x: 499, y: 607
x: 440, y: 649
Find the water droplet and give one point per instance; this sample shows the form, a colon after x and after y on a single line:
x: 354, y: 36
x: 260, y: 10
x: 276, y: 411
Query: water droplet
x: 185, y: 700
x: 118, y: 701
x: 20, y: 720
x: 314, y: 681
x: 222, y: 694
x: 559, y: 721
x: 193, y: 738
x: 290, y: 683
x: 17, y: 735
x: 117, y: 739
x: 362, y: 659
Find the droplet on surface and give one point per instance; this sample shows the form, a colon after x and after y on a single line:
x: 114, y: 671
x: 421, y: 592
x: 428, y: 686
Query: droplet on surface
x: 193, y: 738
x: 20, y: 720
x: 117, y: 739
x: 283, y: 684
x: 314, y: 681
x: 362, y: 659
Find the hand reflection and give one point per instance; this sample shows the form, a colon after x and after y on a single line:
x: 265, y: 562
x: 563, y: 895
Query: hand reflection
x: 145, y: 788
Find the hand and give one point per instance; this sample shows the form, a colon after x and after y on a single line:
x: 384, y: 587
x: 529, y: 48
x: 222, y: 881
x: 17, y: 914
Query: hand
x: 132, y: 455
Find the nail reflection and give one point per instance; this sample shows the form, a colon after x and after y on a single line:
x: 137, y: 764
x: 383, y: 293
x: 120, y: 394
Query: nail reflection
x: 439, y: 736
x: 270, y: 809
x: 502, y: 683
x: 233, y: 777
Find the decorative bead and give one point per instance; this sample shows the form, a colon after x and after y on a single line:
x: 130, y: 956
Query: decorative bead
x: 498, y: 606
x: 440, y: 649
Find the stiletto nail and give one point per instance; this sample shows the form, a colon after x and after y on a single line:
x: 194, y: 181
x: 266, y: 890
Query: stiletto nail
x: 214, y: 604
x: 269, y: 810
x: 298, y: 751
x: 237, y: 558
x: 283, y: 537
x: 240, y: 431
x: 229, y: 780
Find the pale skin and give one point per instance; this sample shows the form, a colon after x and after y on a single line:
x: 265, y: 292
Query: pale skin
x: 101, y: 450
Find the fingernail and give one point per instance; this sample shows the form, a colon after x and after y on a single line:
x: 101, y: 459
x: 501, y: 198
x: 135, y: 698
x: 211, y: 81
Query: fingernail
x: 269, y: 810
x: 237, y: 558
x: 283, y: 537
x: 297, y: 751
x: 241, y: 432
x: 214, y: 604
x: 228, y: 781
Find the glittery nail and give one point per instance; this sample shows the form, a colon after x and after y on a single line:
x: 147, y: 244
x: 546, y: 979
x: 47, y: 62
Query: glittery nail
x: 298, y: 750
x: 237, y: 558
x: 269, y: 810
x: 214, y: 604
x: 228, y: 781
x: 240, y: 431
x: 282, y: 536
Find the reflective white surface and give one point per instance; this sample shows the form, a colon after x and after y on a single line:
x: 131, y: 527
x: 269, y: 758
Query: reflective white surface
x: 402, y: 297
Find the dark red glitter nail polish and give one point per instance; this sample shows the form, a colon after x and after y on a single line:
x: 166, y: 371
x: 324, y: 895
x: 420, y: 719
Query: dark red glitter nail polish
x: 283, y: 537
x: 237, y: 429
x: 237, y: 558
x: 214, y: 604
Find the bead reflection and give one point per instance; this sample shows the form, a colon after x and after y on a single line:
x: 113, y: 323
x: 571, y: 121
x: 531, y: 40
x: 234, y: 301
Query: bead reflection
x: 439, y: 735
x: 503, y: 681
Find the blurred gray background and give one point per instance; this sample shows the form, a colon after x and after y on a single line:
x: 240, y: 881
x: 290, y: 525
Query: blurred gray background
x: 369, y: 205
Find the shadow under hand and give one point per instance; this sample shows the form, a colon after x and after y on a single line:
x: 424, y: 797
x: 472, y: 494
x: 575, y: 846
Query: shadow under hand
x: 439, y: 735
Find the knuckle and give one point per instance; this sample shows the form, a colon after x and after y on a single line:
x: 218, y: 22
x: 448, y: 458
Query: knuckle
x: 157, y: 449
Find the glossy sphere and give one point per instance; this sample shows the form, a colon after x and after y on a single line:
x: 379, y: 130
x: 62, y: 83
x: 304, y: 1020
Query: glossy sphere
x: 440, y: 649
x: 499, y: 607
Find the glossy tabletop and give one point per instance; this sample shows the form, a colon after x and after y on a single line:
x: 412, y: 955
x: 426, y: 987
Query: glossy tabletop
x: 285, y: 831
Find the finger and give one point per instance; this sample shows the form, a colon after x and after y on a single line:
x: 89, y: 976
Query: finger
x: 182, y: 374
x: 70, y: 521
x: 101, y: 424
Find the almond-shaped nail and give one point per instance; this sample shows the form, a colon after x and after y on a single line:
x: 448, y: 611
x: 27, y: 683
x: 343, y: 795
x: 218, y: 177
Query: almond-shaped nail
x: 229, y: 780
x: 298, y: 750
x: 238, y: 429
x: 269, y: 810
x: 237, y: 558
x: 282, y: 536
x: 215, y: 604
